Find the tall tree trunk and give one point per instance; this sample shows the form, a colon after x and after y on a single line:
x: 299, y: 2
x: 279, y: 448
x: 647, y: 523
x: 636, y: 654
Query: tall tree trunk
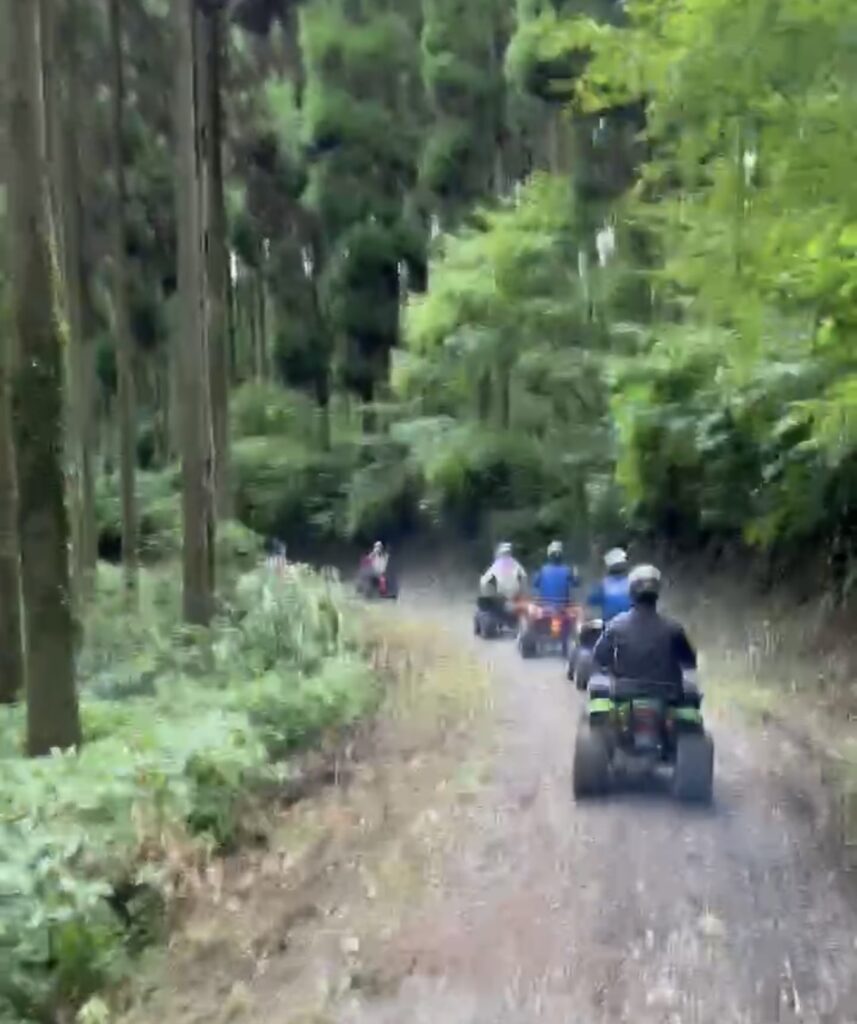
x: 195, y: 431
x: 252, y: 314
x: 80, y: 357
x: 11, y: 650
x: 52, y: 711
x: 217, y: 266
x: 122, y: 325
x: 264, y: 369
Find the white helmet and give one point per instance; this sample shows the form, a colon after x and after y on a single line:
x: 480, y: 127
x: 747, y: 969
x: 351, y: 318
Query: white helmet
x: 504, y: 549
x: 378, y: 547
x: 555, y: 549
x: 645, y: 581
x: 615, y: 558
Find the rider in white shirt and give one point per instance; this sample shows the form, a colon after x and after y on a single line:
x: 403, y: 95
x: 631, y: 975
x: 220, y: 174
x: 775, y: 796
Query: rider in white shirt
x: 505, y: 573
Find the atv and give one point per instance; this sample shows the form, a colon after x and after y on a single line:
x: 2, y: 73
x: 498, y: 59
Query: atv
x: 544, y: 628
x: 581, y: 652
x: 371, y: 585
x: 649, y: 725
x: 495, y: 615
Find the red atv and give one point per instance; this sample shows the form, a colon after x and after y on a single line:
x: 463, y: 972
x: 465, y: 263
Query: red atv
x: 547, y: 628
x: 371, y: 584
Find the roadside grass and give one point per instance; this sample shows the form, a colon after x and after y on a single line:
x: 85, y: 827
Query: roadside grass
x: 185, y: 732
x: 788, y: 670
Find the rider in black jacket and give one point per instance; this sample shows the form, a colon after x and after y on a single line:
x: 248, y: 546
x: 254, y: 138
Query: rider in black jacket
x: 641, y: 644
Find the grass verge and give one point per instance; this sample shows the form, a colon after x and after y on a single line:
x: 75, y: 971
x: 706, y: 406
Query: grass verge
x: 181, y: 729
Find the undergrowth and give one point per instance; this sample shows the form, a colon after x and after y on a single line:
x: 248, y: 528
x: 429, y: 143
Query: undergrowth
x: 180, y: 726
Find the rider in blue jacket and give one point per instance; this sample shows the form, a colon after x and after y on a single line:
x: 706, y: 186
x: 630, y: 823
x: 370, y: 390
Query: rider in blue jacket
x: 613, y: 594
x: 555, y: 582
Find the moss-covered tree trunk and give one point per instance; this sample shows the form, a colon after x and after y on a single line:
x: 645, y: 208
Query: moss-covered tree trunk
x: 52, y: 712
x: 217, y: 256
x: 122, y: 320
x: 198, y: 537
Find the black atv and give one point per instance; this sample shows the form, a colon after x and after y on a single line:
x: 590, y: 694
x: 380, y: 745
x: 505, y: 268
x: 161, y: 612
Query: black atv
x: 495, y: 616
x: 650, y: 725
x: 581, y: 652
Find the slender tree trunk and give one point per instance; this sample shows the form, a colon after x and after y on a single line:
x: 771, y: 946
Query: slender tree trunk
x: 11, y: 646
x: 217, y: 266
x: 503, y: 383
x: 52, y: 710
x: 80, y: 358
x: 235, y: 368
x: 11, y: 649
x: 122, y: 327
x: 252, y: 313
x: 195, y: 432
x: 263, y: 326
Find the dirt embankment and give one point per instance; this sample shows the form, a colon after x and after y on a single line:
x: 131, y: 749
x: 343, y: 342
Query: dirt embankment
x: 455, y: 880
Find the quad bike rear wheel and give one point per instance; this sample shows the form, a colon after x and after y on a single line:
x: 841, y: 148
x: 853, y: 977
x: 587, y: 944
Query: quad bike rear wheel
x: 693, y: 779
x: 583, y: 670
x: 591, y: 772
x: 527, y: 645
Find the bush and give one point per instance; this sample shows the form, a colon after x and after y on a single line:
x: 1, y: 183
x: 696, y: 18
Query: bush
x: 286, y: 490
x: 262, y: 409
x: 158, y: 509
x: 84, y: 838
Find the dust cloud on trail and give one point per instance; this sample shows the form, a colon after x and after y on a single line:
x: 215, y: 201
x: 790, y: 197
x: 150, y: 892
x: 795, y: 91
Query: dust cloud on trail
x: 629, y: 909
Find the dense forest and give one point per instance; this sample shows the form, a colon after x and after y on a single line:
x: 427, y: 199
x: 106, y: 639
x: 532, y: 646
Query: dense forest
x: 357, y: 268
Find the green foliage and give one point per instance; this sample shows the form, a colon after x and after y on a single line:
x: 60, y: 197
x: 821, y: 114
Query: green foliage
x: 87, y: 840
x: 361, y: 130
x: 284, y: 489
x: 504, y: 363
x: 158, y: 510
x: 462, y: 71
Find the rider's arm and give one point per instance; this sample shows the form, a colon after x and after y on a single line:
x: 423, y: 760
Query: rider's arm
x: 595, y: 597
x: 487, y: 576
x: 604, y: 653
x: 684, y: 652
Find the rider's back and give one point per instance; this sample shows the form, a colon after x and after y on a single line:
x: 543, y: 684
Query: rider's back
x: 554, y: 583
x: 613, y: 594
x: 642, y: 644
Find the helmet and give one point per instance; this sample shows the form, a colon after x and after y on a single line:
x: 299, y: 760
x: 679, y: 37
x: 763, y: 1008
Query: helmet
x: 504, y: 549
x: 645, y: 582
x: 616, y: 558
x: 377, y: 547
x: 555, y: 549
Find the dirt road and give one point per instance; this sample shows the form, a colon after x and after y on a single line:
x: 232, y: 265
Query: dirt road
x: 629, y: 910
x: 634, y: 909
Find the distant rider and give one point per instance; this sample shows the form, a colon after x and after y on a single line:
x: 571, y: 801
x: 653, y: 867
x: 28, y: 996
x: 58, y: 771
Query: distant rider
x: 375, y: 563
x: 505, y: 576
x: 612, y: 595
x: 556, y: 581
x: 643, y: 645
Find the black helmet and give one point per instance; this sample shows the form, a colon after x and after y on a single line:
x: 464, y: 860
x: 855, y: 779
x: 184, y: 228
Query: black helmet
x: 645, y: 583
